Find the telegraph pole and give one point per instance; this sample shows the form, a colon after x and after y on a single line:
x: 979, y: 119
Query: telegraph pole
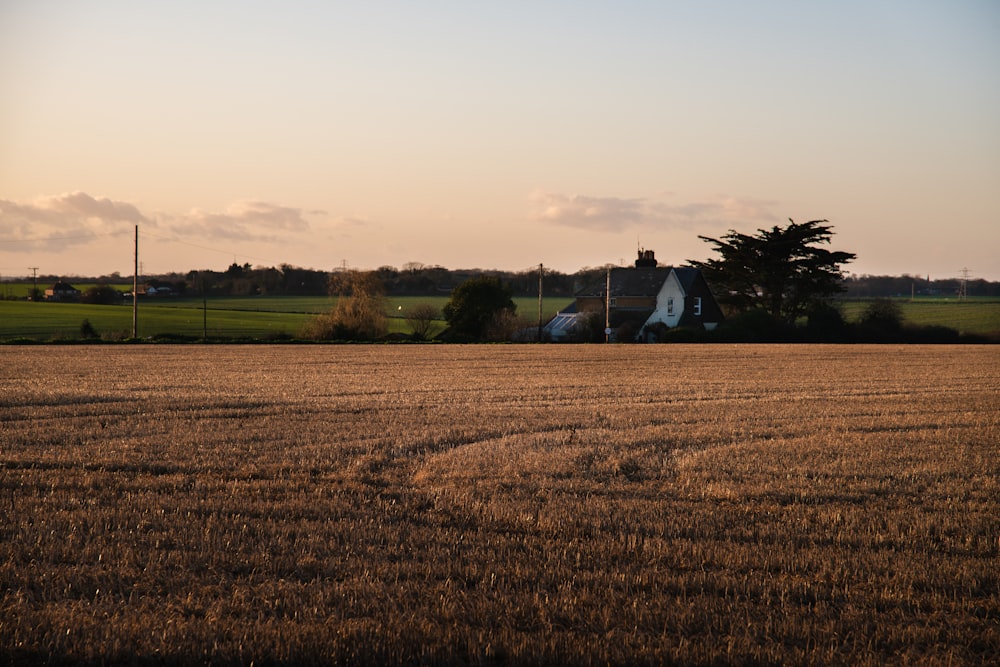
x: 135, y: 287
x: 204, y: 309
x: 541, y: 271
x: 607, y: 308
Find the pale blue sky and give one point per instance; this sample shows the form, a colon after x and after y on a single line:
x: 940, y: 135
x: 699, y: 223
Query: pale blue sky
x: 497, y: 135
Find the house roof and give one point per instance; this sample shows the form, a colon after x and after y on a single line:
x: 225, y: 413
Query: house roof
x: 563, y: 323
x: 62, y: 286
x: 641, y: 281
x: 687, y: 276
x: 630, y: 282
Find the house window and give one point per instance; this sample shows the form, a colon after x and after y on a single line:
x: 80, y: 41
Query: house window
x: 697, y: 305
x: 670, y: 305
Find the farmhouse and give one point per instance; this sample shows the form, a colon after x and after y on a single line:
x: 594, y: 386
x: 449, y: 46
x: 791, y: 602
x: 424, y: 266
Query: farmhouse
x: 643, y: 301
x: 62, y: 291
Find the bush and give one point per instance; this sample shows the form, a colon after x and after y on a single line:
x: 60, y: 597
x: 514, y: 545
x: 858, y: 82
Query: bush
x: 503, y: 326
x: 686, y: 335
x: 881, y: 322
x: 102, y: 294
x: 825, y: 323
x: 882, y: 315
x: 170, y: 337
x: 87, y: 330
x: 931, y: 334
x: 755, y: 326
x: 421, y: 319
x: 116, y: 335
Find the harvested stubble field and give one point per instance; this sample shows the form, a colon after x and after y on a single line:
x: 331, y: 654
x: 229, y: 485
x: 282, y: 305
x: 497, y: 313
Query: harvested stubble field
x: 512, y: 504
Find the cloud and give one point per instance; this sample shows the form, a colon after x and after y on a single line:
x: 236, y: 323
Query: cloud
x: 62, y: 221
x: 583, y: 212
x: 613, y: 214
x: 348, y: 226
x: 245, y: 221
x: 59, y: 222
x: 100, y: 210
x: 714, y: 211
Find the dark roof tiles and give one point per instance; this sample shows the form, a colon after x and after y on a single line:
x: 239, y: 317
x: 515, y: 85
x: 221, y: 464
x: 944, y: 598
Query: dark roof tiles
x: 631, y: 282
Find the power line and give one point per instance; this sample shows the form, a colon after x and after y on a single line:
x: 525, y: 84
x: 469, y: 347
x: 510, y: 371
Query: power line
x: 221, y: 251
x: 34, y: 281
x: 41, y: 240
x: 963, y: 284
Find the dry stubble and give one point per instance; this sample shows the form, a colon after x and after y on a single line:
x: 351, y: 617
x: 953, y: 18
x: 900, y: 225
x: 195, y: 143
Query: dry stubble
x: 433, y: 504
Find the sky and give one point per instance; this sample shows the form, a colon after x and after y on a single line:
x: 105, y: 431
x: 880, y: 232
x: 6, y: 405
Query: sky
x: 501, y: 135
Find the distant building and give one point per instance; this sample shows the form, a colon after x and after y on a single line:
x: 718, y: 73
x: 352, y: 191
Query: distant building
x: 62, y: 291
x: 157, y: 290
x: 642, y: 302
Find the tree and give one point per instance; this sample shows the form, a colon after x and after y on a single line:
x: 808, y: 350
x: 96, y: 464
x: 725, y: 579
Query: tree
x: 780, y: 270
x: 882, y: 317
x: 474, y: 306
x: 421, y: 319
x: 503, y: 326
x: 101, y: 294
x: 360, y: 310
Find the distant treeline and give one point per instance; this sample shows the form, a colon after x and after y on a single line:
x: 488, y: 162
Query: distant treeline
x: 866, y: 287
x: 415, y: 279
x: 411, y: 280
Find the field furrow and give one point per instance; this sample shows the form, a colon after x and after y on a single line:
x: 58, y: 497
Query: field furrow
x: 492, y: 504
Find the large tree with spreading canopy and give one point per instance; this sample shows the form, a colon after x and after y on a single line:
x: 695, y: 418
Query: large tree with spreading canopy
x: 782, y: 270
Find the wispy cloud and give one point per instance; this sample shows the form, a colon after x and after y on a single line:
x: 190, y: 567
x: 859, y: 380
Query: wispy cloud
x: 585, y: 212
x: 716, y: 211
x: 348, y: 226
x: 244, y: 221
x: 612, y: 214
x: 66, y: 220
x: 73, y: 219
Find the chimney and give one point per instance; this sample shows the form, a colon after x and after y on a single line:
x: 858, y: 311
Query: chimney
x: 646, y: 260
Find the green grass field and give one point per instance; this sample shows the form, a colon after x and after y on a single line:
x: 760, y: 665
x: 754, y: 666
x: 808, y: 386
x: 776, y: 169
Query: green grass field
x: 975, y: 315
x: 269, y: 316
x: 22, y: 290
x: 44, y: 321
x: 226, y: 317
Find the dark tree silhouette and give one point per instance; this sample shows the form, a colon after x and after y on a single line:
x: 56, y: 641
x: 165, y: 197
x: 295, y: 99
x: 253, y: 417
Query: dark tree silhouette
x: 474, y: 306
x: 780, y: 270
x: 101, y: 294
x: 882, y: 316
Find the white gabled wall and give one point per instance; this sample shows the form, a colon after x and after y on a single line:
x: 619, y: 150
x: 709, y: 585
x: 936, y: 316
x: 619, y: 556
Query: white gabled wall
x: 671, y: 290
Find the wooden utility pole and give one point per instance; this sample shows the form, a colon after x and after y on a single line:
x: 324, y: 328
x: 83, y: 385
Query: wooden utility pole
x: 135, y: 287
x: 541, y: 271
x: 607, y: 308
x: 204, y: 309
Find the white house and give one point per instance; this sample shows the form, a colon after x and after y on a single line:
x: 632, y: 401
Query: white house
x: 641, y: 302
